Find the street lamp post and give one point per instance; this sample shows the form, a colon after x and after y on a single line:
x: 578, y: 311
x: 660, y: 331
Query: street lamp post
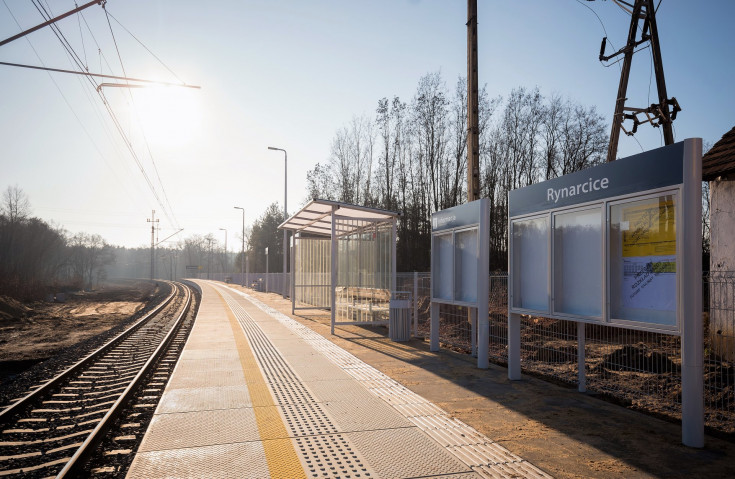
x: 242, y: 258
x: 285, y: 214
x: 225, y: 265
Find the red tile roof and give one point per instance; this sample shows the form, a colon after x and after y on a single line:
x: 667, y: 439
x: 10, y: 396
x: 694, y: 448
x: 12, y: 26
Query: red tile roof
x: 720, y: 160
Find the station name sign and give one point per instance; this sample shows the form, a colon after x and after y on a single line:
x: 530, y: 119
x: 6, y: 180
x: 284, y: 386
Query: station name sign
x: 456, y: 217
x: 645, y: 171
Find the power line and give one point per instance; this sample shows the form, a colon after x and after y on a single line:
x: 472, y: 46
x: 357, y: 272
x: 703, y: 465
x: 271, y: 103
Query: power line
x: 80, y: 64
x: 66, y: 100
x: 143, y: 45
x: 116, y: 122
x: 172, y: 218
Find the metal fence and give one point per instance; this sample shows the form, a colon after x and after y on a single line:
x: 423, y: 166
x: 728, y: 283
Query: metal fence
x: 265, y: 282
x: 635, y: 368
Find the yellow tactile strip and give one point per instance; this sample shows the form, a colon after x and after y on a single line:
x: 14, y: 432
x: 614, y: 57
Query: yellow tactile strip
x: 482, y: 455
x: 282, y: 459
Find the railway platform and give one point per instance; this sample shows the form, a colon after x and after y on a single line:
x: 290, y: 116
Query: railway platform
x: 259, y: 392
x: 256, y: 394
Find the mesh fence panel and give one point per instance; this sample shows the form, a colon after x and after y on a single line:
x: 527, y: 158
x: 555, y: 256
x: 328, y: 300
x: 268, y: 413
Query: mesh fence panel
x: 636, y: 368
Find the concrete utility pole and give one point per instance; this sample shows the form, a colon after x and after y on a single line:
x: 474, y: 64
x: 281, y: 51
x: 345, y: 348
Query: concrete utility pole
x: 656, y: 114
x: 473, y: 128
x: 153, y: 222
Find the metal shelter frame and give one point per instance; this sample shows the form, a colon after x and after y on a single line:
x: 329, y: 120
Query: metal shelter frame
x: 355, y: 226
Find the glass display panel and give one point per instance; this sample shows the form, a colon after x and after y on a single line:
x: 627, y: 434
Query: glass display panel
x: 443, y: 267
x: 643, y: 260
x: 531, y: 264
x: 578, y: 262
x: 465, y: 266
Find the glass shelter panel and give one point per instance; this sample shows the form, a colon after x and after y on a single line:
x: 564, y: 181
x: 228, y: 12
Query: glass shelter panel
x: 312, y: 271
x: 578, y: 262
x: 531, y: 264
x: 643, y: 260
x: 364, y: 259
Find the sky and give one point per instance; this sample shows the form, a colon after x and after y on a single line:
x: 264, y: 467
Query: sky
x: 289, y: 74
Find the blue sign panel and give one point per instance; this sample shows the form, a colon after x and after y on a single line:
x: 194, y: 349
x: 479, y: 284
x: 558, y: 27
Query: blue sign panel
x: 456, y: 217
x: 646, y: 171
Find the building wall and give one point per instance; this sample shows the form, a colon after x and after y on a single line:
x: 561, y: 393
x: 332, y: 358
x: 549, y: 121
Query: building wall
x: 722, y: 225
x: 722, y: 268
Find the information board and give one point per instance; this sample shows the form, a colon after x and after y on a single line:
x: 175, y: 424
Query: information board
x: 618, y: 244
x: 456, y: 252
x: 578, y: 241
x: 643, y: 260
x: 605, y: 236
x: 460, y: 270
x: 531, y: 267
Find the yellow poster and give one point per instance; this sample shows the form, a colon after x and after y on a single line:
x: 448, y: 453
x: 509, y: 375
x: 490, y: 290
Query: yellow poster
x: 649, y: 229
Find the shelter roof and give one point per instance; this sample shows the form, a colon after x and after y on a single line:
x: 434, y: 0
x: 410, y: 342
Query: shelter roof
x: 316, y: 217
x: 720, y: 159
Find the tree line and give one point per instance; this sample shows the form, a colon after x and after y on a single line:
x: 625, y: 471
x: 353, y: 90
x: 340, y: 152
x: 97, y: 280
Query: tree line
x: 37, y: 259
x: 205, y: 255
x: 410, y: 156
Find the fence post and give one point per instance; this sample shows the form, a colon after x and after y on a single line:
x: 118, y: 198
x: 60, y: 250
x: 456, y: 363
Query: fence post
x: 514, y: 346
x: 473, y: 330
x: 415, y: 303
x: 434, y: 330
x: 581, y: 361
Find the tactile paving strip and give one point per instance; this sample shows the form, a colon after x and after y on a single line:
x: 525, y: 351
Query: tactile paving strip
x: 425, y: 459
x: 305, y: 418
x: 331, y: 456
x: 482, y: 455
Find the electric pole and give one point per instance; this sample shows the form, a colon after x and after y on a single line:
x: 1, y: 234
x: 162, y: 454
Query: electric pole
x: 473, y: 129
x: 153, y: 221
x: 664, y: 112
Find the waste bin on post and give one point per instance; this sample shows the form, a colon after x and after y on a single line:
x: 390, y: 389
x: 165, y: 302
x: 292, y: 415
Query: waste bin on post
x: 399, y: 322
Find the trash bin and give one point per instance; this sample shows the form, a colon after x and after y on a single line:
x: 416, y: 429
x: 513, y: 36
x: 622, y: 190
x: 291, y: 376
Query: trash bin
x: 399, y: 322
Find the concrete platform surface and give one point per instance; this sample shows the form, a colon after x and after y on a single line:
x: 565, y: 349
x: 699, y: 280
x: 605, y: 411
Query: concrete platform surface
x: 561, y: 431
x: 256, y: 394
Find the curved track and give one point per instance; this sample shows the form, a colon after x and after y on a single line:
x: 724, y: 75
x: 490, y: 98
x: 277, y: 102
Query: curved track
x: 50, y: 431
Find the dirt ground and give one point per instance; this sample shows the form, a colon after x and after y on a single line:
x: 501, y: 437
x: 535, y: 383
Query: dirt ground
x: 566, y: 433
x: 33, y: 332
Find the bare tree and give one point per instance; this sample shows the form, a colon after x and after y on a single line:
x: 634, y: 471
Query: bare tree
x: 15, y: 205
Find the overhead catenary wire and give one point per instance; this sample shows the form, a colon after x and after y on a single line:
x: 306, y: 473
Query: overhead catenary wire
x: 144, y: 46
x: 602, y: 24
x: 168, y: 209
x: 81, y: 38
x: 165, y: 207
x: 75, y: 59
x: 68, y: 103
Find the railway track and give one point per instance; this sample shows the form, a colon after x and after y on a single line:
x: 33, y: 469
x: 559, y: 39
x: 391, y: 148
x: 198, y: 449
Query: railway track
x: 53, y: 430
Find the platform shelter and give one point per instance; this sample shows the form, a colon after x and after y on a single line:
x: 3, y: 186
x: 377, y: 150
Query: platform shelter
x: 343, y: 259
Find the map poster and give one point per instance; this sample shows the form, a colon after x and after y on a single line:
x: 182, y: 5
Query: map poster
x: 649, y: 254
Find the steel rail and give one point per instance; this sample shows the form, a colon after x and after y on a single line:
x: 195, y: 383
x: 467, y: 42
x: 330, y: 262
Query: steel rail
x: 7, y: 413
x: 73, y: 466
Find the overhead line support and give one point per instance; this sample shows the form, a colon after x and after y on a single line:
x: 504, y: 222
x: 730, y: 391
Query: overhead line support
x: 661, y: 114
x: 53, y: 20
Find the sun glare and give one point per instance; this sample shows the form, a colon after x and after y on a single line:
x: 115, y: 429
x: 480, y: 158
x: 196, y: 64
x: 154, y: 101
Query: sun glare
x: 169, y: 116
